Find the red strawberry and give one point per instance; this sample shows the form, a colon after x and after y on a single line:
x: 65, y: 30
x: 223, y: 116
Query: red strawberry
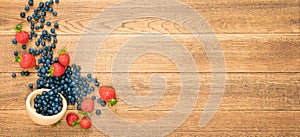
x: 87, y: 105
x: 85, y: 123
x: 72, y: 119
x: 21, y: 36
x: 27, y: 61
x: 108, y: 94
x: 64, y: 58
x: 56, y: 70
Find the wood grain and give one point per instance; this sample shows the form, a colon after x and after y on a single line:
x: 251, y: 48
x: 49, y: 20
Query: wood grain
x: 260, y: 40
x: 225, y: 16
x: 268, y: 53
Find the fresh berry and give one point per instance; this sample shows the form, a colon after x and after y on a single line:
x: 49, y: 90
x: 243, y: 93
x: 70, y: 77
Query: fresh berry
x: 29, y: 18
x: 16, y: 53
x: 98, y: 112
x: 26, y: 8
x: 30, y: 2
x: 56, y: 70
x: 30, y: 86
x: 54, y: 13
x: 48, y: 23
x: 87, y: 105
x: 64, y: 58
x: 23, y: 46
x: 93, y: 97
x: 85, y: 123
x: 21, y: 36
x: 56, y: 1
x: 72, y: 119
x: 14, y: 41
x: 55, y: 25
x: 108, y: 94
x: 22, y: 14
x: 13, y: 75
x: 27, y: 61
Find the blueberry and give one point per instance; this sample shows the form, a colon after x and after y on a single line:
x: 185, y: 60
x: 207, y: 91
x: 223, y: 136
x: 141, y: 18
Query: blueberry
x: 37, y: 27
x: 35, y: 35
x: 22, y: 14
x: 13, y: 75
x: 30, y: 86
x: 43, y: 13
x: 42, y: 26
x: 47, y: 4
x: 50, y: 9
x: 53, y: 46
x: 30, y: 36
x: 89, y: 75
x: 14, y: 41
x: 103, y: 103
x: 52, y: 30
x: 55, y: 25
x: 26, y: 8
x: 26, y: 73
x: 43, y: 43
x: 99, y: 100
x: 56, y: 1
x: 54, y: 40
x: 54, y: 13
x: 48, y: 23
x: 16, y: 53
x: 30, y: 2
x: 41, y: 4
x: 42, y: 20
x: 22, y: 73
x: 37, y: 43
x: 96, y: 84
x: 23, y: 46
x: 93, y: 97
x: 78, y: 107
x: 29, y: 18
x: 98, y: 112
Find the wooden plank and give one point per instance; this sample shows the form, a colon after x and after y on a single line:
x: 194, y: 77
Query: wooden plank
x: 268, y: 53
x: 258, y: 17
x: 244, y: 123
x: 243, y: 91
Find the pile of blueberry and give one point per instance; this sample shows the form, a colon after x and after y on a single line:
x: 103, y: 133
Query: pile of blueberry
x: 72, y: 85
x: 48, y: 103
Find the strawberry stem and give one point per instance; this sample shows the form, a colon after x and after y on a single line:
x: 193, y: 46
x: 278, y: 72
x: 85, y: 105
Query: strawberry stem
x: 51, y: 70
x: 63, y: 51
x: 112, y: 102
x: 18, y: 59
x: 85, y: 113
x: 18, y: 28
x: 55, y: 124
x: 75, y: 123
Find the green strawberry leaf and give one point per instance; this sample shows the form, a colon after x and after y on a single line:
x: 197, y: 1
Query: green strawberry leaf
x: 18, y: 28
x: 63, y: 51
x: 85, y: 113
x: 75, y: 123
x: 112, y: 102
x: 18, y: 59
x: 51, y: 70
x: 55, y: 124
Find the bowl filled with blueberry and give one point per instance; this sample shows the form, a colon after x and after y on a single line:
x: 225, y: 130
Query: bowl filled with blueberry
x: 45, y: 106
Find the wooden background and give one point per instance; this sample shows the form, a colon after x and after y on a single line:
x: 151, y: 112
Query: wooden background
x: 260, y: 39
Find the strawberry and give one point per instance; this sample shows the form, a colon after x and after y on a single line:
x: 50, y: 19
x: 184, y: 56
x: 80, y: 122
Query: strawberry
x: 27, y: 61
x: 56, y: 70
x: 63, y: 58
x: 21, y: 36
x: 87, y: 105
x: 72, y: 119
x: 85, y: 123
x: 108, y: 94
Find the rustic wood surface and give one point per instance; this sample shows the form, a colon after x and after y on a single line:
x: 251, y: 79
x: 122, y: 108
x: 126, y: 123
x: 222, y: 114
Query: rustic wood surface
x: 260, y: 39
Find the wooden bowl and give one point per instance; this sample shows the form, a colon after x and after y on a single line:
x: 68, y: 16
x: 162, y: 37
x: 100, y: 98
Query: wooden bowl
x: 38, y: 118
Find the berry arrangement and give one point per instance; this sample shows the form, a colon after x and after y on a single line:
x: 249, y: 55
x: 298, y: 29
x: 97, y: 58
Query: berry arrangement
x: 48, y: 103
x: 55, y: 72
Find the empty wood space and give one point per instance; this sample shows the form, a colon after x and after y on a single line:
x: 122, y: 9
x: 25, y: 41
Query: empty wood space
x: 259, y: 38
